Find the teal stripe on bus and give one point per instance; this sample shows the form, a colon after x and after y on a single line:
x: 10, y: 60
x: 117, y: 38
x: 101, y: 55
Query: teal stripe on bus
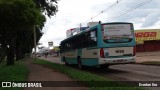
x: 86, y: 61
x: 71, y: 60
x: 90, y: 62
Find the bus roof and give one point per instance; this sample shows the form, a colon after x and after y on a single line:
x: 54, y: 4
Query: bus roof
x: 83, y: 31
x: 91, y: 28
x: 117, y: 23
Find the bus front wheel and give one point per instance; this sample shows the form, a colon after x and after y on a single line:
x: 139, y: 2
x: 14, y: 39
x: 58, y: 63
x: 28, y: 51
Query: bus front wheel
x: 79, y: 63
x: 65, y: 62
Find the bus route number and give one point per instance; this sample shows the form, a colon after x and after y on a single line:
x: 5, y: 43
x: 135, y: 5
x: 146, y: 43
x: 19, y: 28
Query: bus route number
x: 119, y: 51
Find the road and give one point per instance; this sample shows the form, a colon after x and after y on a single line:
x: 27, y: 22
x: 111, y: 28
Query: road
x: 147, y: 56
x: 127, y: 72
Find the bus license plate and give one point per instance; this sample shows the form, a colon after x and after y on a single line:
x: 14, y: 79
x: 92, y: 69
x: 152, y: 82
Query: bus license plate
x: 120, y: 60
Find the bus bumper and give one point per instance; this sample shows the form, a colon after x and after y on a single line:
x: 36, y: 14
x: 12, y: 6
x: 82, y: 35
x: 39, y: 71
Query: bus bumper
x: 116, y: 60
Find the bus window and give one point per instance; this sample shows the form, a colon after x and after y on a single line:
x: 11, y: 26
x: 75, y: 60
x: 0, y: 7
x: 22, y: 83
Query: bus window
x: 90, y: 39
x: 93, y: 36
x: 117, y: 33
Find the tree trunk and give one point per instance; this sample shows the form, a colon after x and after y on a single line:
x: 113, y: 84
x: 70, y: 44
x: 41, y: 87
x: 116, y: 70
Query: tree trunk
x: 17, y: 50
x: 10, y: 52
x: 10, y: 55
x: 17, y: 54
x: 2, y: 54
x: 3, y: 50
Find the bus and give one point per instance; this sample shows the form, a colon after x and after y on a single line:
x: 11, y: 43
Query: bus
x: 101, y: 45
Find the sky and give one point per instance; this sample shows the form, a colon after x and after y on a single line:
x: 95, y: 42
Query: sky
x: 73, y: 12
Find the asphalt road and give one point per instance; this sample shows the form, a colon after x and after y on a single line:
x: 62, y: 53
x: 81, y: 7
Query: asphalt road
x: 125, y: 72
x: 128, y: 72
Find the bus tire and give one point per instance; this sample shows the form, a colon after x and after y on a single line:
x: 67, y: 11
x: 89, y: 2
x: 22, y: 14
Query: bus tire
x: 65, y: 62
x: 79, y: 63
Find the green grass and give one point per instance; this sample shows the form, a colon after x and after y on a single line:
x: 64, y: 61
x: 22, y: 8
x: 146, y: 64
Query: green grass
x: 17, y: 72
x: 156, y: 63
x: 86, y: 76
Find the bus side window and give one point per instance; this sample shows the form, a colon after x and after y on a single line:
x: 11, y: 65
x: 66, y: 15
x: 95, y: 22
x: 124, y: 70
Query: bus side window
x: 77, y: 43
x: 74, y: 44
x: 93, y: 35
x: 89, y: 39
x: 93, y: 38
x: 86, y: 40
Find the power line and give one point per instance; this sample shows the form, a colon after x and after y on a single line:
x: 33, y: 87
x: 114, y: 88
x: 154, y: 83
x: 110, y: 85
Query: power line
x: 108, y: 8
x: 111, y: 6
x: 129, y: 10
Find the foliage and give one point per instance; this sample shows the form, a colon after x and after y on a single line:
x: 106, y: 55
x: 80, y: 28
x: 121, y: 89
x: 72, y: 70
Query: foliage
x: 18, y: 19
x: 17, y: 72
x: 18, y: 14
x: 49, y: 7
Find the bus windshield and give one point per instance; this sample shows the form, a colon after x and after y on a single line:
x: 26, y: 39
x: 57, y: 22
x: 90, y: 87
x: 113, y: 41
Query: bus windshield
x: 117, y: 33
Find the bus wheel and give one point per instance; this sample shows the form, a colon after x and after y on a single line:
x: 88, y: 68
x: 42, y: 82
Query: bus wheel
x: 65, y: 62
x: 79, y: 63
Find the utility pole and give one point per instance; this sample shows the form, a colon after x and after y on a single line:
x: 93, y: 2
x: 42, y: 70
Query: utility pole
x: 34, y: 28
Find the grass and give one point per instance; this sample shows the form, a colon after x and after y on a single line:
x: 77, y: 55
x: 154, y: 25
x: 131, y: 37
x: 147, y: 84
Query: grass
x: 17, y: 72
x: 156, y: 63
x: 86, y: 76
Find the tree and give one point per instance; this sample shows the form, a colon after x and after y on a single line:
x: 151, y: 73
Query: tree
x: 25, y: 43
x: 15, y: 16
x: 17, y: 20
x: 49, y: 7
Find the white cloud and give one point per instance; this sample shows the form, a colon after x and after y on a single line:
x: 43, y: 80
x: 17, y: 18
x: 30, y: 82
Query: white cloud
x: 151, y: 19
x: 73, y: 12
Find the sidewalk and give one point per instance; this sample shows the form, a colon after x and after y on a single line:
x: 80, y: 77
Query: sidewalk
x: 41, y: 73
x: 147, y: 56
x: 141, y: 54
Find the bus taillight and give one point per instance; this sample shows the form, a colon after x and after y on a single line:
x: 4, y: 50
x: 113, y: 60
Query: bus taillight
x: 102, y: 53
x: 134, y: 50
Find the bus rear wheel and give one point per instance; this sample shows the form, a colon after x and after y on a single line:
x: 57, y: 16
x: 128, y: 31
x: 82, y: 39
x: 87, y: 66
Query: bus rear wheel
x: 79, y: 63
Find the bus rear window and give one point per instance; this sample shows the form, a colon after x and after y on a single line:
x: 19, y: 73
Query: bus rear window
x: 117, y: 33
